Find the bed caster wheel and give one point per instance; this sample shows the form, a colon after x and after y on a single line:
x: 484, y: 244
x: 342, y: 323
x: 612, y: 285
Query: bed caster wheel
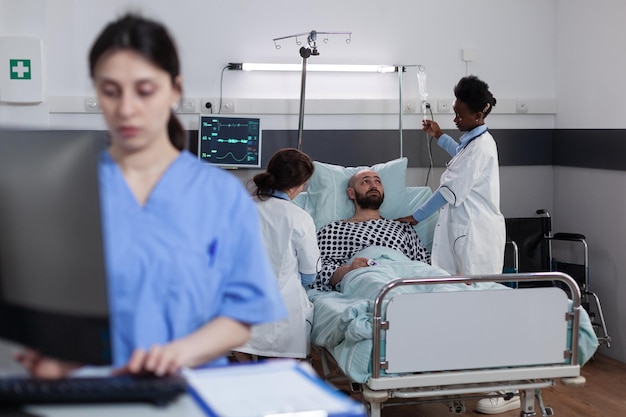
x: 577, y: 381
x: 548, y: 411
x: 457, y: 407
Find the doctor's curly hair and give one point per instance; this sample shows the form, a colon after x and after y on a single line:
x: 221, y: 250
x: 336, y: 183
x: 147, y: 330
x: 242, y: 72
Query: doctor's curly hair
x: 475, y: 93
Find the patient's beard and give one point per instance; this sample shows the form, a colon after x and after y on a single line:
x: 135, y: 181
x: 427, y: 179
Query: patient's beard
x: 373, y: 201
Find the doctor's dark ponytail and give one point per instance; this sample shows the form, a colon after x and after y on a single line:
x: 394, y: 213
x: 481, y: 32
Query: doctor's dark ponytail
x: 288, y: 168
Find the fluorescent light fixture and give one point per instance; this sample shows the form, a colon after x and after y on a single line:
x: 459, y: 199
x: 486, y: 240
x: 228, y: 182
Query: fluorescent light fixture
x: 312, y: 67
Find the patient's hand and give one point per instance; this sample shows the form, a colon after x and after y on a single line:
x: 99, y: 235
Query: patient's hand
x: 408, y: 219
x: 359, y: 263
x: 40, y: 366
x: 344, y: 269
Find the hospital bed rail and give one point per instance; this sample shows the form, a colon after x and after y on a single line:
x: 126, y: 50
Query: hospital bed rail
x: 458, y: 384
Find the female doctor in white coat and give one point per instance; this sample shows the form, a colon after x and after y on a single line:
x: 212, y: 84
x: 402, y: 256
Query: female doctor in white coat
x: 469, y: 237
x: 291, y: 242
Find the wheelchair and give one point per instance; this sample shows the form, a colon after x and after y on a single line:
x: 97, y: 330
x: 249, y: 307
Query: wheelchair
x: 532, y: 246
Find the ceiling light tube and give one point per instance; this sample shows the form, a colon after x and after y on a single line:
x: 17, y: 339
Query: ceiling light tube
x: 312, y: 67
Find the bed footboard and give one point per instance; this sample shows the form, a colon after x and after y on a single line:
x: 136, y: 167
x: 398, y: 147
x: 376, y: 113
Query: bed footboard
x: 464, y: 344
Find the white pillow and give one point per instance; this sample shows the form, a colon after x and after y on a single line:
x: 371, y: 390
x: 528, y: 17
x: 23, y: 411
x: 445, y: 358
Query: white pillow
x: 328, y: 186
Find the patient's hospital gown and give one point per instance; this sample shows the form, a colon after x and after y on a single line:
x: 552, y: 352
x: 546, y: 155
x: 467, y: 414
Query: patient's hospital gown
x: 291, y: 242
x: 192, y: 253
x: 339, y: 241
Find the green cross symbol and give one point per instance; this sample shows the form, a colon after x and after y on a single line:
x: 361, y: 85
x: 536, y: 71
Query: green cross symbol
x: 19, y: 69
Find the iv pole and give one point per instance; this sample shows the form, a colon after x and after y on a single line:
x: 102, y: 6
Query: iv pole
x: 305, y: 53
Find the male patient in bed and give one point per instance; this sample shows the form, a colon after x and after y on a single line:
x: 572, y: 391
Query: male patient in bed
x: 339, y: 241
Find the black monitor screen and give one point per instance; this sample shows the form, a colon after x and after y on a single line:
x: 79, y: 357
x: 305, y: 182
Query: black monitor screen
x: 230, y: 141
x: 53, y: 288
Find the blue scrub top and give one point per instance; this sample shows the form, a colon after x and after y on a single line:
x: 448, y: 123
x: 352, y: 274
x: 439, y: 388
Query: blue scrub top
x: 192, y: 253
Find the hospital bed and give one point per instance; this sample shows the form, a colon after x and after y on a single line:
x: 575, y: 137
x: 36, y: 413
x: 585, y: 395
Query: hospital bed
x: 406, y: 330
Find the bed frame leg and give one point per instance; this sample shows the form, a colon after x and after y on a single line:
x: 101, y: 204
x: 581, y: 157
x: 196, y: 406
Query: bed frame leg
x: 375, y: 409
x: 528, y: 404
x: 457, y: 407
x: 375, y: 400
x: 545, y: 411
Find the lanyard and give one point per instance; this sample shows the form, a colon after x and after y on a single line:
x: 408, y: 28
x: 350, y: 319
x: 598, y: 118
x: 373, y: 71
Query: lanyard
x: 479, y: 133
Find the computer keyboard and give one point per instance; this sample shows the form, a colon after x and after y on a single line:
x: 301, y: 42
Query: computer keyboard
x: 156, y: 390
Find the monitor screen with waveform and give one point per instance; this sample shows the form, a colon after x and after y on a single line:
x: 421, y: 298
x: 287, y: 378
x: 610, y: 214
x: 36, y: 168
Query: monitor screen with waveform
x: 231, y: 142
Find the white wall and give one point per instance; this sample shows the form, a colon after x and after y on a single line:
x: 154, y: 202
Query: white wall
x: 515, y: 43
x: 514, y: 48
x: 590, y: 90
x: 591, y: 64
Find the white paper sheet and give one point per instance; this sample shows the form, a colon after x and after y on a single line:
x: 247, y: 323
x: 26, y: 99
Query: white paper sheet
x: 279, y: 387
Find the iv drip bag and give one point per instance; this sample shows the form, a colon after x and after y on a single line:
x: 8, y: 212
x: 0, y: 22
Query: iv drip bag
x: 421, y: 81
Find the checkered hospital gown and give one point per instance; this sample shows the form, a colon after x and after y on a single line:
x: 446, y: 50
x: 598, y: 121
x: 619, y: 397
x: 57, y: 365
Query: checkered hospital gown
x: 340, y: 241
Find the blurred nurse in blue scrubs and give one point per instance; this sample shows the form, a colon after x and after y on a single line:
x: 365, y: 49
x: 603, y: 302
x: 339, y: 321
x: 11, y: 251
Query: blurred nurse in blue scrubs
x: 188, y: 273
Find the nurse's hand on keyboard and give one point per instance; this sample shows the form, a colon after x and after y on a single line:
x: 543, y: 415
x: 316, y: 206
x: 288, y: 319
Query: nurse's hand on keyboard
x: 159, y: 360
x: 40, y: 366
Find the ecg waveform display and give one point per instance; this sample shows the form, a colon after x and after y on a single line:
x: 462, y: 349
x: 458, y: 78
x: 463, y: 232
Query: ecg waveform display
x: 230, y: 141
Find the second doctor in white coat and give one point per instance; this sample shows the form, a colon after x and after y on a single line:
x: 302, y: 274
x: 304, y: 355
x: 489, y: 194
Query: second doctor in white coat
x: 470, y: 234
x: 291, y: 243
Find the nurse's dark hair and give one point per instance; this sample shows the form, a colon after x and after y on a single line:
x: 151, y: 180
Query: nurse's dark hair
x: 475, y: 93
x: 287, y: 168
x: 152, y: 41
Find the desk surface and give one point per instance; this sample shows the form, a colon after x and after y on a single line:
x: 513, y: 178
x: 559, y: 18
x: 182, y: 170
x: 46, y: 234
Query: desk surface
x: 184, y: 406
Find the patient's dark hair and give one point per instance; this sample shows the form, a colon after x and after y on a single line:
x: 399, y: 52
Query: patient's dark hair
x: 288, y: 168
x: 151, y: 40
x: 475, y: 93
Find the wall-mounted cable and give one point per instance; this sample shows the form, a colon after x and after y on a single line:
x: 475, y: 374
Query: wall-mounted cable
x: 219, y: 105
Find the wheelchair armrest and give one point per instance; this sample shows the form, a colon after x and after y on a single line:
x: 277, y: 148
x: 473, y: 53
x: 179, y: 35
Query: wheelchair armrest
x: 568, y: 236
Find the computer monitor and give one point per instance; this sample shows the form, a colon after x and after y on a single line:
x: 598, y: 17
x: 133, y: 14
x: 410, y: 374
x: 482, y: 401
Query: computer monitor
x: 53, y: 288
x: 231, y: 142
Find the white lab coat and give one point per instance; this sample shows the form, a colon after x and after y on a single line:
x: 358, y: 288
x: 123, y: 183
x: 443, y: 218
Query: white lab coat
x: 470, y: 234
x: 291, y: 242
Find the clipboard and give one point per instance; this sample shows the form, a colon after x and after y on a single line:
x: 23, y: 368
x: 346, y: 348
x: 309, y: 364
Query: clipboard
x: 274, y: 388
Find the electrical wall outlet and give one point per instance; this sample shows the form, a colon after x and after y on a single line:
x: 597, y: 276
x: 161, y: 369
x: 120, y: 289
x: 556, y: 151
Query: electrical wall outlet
x: 91, y: 104
x: 444, y: 106
x: 521, y: 106
x: 208, y: 105
x: 188, y: 105
x: 410, y: 106
x: 228, y: 106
